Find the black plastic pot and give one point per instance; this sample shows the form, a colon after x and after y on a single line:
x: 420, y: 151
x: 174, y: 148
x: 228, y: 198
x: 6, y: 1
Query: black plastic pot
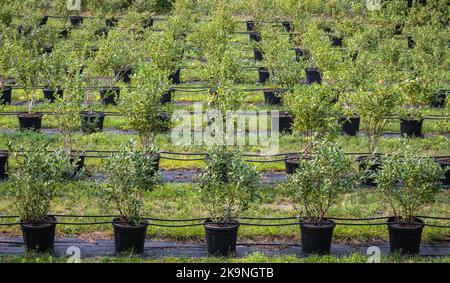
x: 411, y: 128
x: 350, y: 125
x: 175, y: 77
x: 112, y: 22
x: 5, y: 95
x: 147, y: 23
x: 123, y: 75
x: 272, y: 97
x: 24, y: 30
x: 76, y: 21
x: 167, y: 96
x: 291, y: 164
x: 39, y: 237
x: 43, y: 21
x: 398, y: 29
x: 109, y: 95
x: 263, y: 75
x: 250, y: 25
x: 102, y: 32
x: 255, y: 36
x: 64, y: 33
x: 367, y: 169
x: 316, y: 237
x: 79, y: 162
x: 438, y: 101
x: 336, y: 41
x: 47, y: 49
x: 221, y: 239
x: 3, y: 165
x: 405, y: 238
x: 285, y: 122
x: 49, y: 94
x: 287, y: 25
x: 258, y: 54
x: 411, y: 42
x: 30, y: 121
x: 92, y: 122
x: 299, y: 53
x: 313, y: 76
x: 128, y: 237
x: 445, y: 164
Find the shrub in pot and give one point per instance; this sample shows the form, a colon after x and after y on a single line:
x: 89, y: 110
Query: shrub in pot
x: 141, y: 104
x: 373, y: 107
x: 34, y: 180
x: 316, y: 187
x: 5, y: 94
x: 349, y: 120
x: 409, y: 183
x: 280, y: 71
x: 131, y: 173
x: 227, y: 186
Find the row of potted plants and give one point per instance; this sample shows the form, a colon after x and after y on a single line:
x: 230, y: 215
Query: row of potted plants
x: 227, y: 186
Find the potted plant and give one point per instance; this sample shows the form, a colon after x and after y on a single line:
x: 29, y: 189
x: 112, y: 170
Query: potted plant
x: 141, y: 103
x: 226, y: 188
x: 279, y: 69
x: 130, y: 172
x: 374, y: 107
x: 25, y: 69
x: 34, y: 180
x: 409, y: 183
x: 316, y: 187
x: 313, y: 114
x: 349, y: 118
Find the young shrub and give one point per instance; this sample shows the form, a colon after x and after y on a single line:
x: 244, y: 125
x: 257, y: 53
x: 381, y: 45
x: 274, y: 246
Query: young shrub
x: 131, y: 172
x: 408, y: 182
x: 34, y: 180
x: 321, y: 181
x: 227, y: 185
x: 316, y: 186
x: 313, y: 112
x: 141, y: 104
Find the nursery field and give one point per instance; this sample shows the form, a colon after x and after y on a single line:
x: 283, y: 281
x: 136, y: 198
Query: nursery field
x: 88, y: 96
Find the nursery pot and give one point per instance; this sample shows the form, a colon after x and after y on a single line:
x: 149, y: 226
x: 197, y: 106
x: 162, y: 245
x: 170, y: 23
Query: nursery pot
x: 350, y: 125
x: 75, y: 21
x: 175, y: 77
x: 255, y: 36
x: 92, y: 122
x: 411, y: 128
x: 102, y: 32
x: 405, y: 238
x: 129, y: 237
x: 3, y: 164
x: 39, y: 237
x: 291, y: 163
x: 221, y: 238
x: 364, y: 167
x: 272, y: 97
x: 411, y: 42
x: 79, y: 162
x: 316, y: 237
x: 47, y: 49
x: 445, y: 164
x: 49, y: 94
x: 336, y: 41
x: 167, y: 96
x: 43, y: 21
x: 109, y: 95
x: 5, y: 95
x: 30, y: 121
x: 438, y: 101
x: 313, y: 76
x: 64, y: 33
x: 398, y: 29
x: 123, y: 74
x: 287, y: 25
x: 112, y: 22
x: 263, y: 75
x: 147, y: 23
x: 258, y: 54
x: 250, y: 25
x: 299, y: 53
x: 285, y: 122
